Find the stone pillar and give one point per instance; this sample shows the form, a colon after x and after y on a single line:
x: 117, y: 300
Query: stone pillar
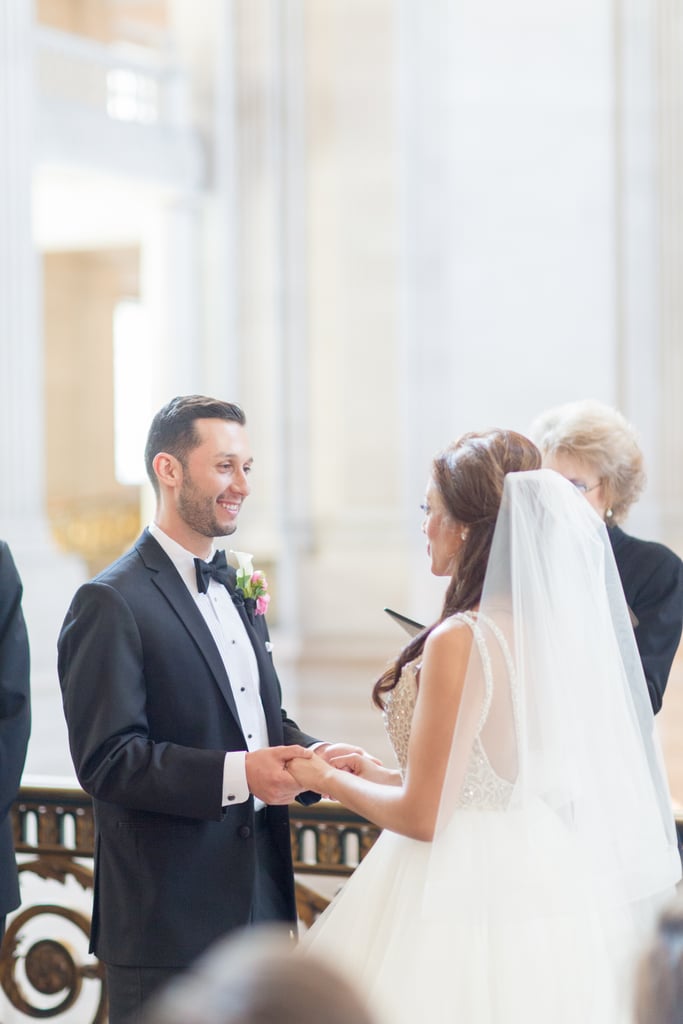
x: 292, y: 438
x: 260, y: 183
x: 636, y: 236
x: 508, y: 234
x: 49, y: 577
x: 169, y: 291
x: 669, y: 262
x: 21, y: 413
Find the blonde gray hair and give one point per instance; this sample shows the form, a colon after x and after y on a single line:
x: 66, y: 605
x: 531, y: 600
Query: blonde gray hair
x: 602, y: 437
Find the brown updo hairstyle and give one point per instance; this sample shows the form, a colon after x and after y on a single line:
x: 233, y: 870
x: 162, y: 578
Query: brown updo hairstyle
x: 469, y: 476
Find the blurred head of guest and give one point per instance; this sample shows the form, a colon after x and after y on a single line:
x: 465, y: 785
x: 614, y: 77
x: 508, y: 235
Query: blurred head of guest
x: 255, y: 977
x: 659, y: 984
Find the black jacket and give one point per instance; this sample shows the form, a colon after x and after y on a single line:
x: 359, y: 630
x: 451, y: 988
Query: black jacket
x: 15, y: 718
x: 150, y: 713
x: 652, y: 578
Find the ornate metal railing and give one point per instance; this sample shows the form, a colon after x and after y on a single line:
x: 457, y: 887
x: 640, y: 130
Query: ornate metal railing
x: 42, y: 973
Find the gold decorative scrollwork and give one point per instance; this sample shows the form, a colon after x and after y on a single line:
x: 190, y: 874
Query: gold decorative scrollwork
x: 49, y: 967
x: 309, y: 904
x: 58, y: 869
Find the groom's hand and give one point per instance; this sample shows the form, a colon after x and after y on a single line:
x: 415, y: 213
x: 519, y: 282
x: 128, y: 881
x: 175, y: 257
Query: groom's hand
x: 267, y: 775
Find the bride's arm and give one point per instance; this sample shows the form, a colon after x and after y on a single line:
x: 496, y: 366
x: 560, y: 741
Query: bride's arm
x: 367, y: 768
x: 410, y: 809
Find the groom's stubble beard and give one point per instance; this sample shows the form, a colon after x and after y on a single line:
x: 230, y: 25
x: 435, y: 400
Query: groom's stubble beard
x: 198, y: 510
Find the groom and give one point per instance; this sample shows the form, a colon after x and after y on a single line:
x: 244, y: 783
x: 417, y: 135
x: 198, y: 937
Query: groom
x: 175, y: 722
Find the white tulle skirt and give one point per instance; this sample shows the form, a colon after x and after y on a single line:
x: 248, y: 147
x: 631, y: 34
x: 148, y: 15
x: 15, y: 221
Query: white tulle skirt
x: 491, y: 925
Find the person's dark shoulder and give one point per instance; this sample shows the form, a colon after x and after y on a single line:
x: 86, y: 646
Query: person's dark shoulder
x: 644, y: 559
x: 145, y: 553
x: 7, y: 566
x: 124, y: 575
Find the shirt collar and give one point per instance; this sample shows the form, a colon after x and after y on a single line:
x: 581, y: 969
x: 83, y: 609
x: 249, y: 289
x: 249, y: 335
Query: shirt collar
x: 182, y: 559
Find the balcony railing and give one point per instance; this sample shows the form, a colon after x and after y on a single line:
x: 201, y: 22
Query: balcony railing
x: 125, y: 83
x: 126, y: 110
x: 45, y: 970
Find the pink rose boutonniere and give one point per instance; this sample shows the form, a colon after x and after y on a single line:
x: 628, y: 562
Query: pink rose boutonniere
x: 251, y: 582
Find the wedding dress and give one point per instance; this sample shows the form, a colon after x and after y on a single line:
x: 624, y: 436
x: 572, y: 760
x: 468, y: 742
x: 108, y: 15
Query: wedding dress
x: 555, y: 846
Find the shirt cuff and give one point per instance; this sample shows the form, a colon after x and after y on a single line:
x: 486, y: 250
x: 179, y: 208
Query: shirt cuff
x: 235, y: 788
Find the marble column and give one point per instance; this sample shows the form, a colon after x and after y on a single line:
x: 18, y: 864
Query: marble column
x: 508, y: 241
x: 288, y: 156
x: 638, y: 267
x: 49, y: 577
x: 170, y: 296
x: 260, y: 174
x: 21, y: 498
x: 669, y: 261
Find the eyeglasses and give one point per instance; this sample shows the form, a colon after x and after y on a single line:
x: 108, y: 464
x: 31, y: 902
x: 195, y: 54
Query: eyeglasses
x: 583, y: 488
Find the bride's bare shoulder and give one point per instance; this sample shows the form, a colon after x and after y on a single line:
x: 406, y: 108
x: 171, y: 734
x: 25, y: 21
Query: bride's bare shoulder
x: 452, y: 638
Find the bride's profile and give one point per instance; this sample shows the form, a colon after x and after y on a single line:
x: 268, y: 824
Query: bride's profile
x: 528, y: 838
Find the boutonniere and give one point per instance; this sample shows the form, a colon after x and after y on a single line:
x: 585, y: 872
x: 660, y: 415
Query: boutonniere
x: 251, y: 583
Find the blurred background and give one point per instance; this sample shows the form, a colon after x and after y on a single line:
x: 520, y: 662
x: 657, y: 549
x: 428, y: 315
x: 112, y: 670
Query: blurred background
x: 374, y: 224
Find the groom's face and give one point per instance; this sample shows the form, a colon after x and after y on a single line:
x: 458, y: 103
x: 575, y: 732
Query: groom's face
x: 215, y: 478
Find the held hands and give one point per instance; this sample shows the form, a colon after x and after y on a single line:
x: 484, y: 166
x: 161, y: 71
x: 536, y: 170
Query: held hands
x: 315, y: 773
x: 358, y: 762
x: 330, y: 751
x: 267, y: 775
x: 366, y: 767
x: 277, y: 775
x: 312, y: 772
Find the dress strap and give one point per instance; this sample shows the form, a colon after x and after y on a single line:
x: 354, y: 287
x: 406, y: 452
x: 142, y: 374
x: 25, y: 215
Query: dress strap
x: 474, y: 620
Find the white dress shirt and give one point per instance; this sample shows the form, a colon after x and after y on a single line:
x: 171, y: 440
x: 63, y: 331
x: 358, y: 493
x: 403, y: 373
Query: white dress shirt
x: 237, y: 653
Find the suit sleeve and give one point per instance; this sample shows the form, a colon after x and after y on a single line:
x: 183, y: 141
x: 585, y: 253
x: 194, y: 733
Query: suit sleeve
x: 15, y: 704
x: 658, y: 606
x: 101, y: 672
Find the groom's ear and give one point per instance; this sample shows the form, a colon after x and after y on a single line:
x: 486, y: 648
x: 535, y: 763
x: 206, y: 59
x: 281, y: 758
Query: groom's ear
x: 168, y: 469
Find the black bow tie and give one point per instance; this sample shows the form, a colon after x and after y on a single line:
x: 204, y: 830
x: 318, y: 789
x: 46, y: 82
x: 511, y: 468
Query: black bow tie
x: 217, y: 569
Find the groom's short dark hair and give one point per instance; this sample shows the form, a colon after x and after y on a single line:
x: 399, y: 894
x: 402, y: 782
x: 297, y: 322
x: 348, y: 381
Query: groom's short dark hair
x: 173, y: 428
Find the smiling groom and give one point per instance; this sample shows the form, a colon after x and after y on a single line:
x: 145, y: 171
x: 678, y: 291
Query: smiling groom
x: 175, y: 722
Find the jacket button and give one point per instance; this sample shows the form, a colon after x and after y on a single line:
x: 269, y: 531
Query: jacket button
x: 244, y: 831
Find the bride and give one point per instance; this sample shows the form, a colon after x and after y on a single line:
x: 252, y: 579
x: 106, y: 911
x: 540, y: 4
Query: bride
x: 528, y: 836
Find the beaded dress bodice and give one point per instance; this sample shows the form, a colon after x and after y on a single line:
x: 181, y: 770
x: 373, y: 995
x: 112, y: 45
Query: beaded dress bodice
x: 482, y: 788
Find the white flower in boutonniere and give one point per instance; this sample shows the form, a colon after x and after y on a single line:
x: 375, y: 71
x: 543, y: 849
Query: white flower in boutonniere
x: 251, y: 582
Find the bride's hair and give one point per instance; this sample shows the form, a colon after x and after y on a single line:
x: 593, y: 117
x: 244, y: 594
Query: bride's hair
x: 469, y: 476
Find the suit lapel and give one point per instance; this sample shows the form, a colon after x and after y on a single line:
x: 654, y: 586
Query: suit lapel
x: 269, y: 686
x: 167, y: 580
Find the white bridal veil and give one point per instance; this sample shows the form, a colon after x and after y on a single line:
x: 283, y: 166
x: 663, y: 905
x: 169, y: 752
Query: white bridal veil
x: 582, y: 848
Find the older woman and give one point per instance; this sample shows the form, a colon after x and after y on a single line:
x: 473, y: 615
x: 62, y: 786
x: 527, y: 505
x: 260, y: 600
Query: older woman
x: 595, y: 448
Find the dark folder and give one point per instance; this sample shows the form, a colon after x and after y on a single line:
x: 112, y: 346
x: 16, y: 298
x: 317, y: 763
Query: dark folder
x: 411, y: 627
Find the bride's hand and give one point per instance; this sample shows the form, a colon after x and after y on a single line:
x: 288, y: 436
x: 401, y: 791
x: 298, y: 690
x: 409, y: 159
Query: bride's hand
x: 366, y: 767
x: 329, y: 751
x: 310, y: 772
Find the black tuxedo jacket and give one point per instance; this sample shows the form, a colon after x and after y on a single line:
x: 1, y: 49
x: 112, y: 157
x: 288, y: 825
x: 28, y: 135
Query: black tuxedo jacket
x: 652, y: 578
x: 15, y: 718
x: 150, y: 715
